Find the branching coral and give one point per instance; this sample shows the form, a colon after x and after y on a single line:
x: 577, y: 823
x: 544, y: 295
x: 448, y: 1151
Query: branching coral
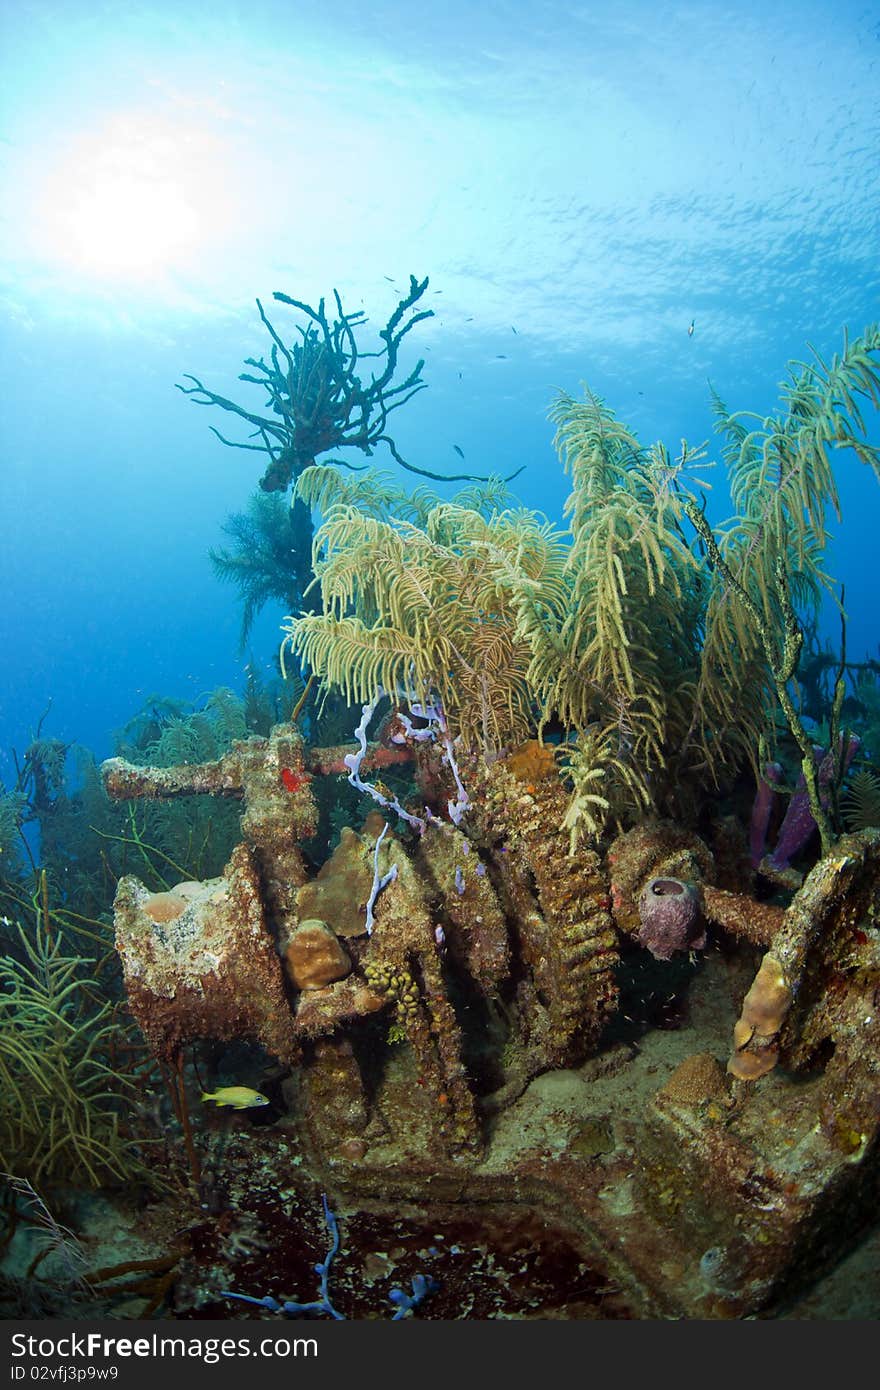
x: 316, y: 398
x: 316, y: 402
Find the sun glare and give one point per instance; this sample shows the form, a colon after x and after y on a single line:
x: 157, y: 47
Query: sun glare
x: 125, y: 225
x: 131, y: 200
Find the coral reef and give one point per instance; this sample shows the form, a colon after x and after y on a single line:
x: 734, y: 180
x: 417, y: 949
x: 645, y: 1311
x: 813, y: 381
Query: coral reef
x: 201, y: 962
x: 512, y: 987
x: 499, y: 925
x: 660, y: 658
x: 317, y: 400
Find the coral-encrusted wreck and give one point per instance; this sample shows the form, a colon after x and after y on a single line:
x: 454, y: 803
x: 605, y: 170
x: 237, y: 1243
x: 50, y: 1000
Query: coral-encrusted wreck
x: 491, y: 1008
x: 495, y: 960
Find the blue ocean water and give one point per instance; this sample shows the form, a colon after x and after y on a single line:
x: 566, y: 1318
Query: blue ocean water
x: 580, y: 182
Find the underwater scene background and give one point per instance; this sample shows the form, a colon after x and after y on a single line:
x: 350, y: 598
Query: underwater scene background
x: 511, y: 932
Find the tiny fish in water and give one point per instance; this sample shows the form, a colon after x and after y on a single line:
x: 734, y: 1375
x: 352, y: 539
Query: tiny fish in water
x: 236, y: 1097
x: 691, y: 329
x: 459, y: 451
x: 501, y: 356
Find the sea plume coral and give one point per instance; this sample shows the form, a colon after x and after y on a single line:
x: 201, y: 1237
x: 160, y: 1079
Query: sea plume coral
x: 428, y: 610
x: 656, y: 646
x: 60, y: 1098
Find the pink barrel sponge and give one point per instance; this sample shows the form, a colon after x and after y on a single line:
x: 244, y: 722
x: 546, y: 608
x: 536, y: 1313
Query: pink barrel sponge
x: 671, y: 918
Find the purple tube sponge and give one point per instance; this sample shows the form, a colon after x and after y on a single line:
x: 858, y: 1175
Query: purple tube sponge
x: 799, y: 823
x: 763, y: 805
x: 669, y: 910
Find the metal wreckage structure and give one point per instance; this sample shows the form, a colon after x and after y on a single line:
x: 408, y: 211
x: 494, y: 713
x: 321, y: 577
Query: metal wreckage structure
x: 493, y: 958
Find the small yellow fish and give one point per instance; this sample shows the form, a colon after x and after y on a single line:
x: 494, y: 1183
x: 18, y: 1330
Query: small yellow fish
x: 237, y: 1097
